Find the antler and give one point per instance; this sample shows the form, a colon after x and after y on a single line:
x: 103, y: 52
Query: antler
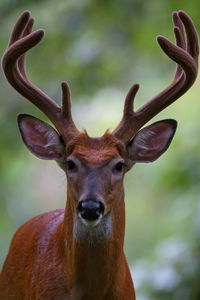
x: 185, y: 53
x: 22, y: 39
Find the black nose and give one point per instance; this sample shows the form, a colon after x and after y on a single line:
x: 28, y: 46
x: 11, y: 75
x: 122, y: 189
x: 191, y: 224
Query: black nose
x: 90, y: 209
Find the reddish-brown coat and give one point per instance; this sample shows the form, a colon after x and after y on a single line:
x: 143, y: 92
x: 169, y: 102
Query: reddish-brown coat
x: 48, y: 258
x: 46, y: 262
x: 96, y: 150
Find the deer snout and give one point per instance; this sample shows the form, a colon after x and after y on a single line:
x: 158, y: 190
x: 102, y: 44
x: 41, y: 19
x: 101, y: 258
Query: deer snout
x: 90, y: 210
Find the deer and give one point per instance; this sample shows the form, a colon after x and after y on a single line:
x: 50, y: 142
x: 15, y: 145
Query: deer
x: 77, y: 253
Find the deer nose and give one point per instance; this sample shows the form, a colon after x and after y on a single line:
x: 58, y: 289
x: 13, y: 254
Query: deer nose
x: 90, y: 210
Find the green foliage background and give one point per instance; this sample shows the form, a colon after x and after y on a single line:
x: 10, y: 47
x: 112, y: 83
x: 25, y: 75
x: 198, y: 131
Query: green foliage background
x: 100, y: 48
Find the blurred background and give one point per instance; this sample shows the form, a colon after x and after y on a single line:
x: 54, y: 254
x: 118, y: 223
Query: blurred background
x: 101, y: 47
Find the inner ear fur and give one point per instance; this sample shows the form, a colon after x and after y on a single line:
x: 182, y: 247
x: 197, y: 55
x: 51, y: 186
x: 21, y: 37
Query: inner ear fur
x: 151, y: 142
x: 40, y: 138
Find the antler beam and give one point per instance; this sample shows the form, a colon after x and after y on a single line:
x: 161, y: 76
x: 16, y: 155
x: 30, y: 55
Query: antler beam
x: 13, y: 62
x: 185, y: 53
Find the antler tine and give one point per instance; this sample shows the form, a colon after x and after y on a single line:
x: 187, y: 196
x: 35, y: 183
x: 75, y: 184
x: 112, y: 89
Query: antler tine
x: 128, y: 121
x: 72, y: 131
x: 180, y: 39
x: 19, y: 27
x: 185, y: 54
x: 13, y: 62
x: 21, y: 60
x: 192, y: 36
x: 66, y: 100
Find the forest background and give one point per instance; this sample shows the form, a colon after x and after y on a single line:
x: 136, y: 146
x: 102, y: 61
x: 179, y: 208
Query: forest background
x: 101, y: 47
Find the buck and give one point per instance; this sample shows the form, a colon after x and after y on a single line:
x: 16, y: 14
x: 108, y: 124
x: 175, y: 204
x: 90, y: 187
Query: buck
x: 77, y: 253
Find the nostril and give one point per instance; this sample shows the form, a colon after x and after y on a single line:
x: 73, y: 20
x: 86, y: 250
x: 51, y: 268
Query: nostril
x: 101, y: 208
x: 90, y: 210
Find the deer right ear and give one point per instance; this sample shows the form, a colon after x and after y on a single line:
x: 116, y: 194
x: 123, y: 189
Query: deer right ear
x: 40, y: 138
x: 151, y: 141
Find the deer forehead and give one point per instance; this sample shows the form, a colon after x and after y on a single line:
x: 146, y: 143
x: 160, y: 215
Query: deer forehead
x: 96, y: 150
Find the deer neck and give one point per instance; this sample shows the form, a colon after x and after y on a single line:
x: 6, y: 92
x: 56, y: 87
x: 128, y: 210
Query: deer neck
x: 95, y: 264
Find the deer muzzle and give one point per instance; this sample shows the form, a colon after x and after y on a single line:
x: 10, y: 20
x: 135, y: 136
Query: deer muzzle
x: 90, y: 211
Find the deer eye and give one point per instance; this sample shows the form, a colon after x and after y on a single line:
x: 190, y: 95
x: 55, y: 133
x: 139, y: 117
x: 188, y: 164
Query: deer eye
x: 119, y: 166
x: 71, y: 165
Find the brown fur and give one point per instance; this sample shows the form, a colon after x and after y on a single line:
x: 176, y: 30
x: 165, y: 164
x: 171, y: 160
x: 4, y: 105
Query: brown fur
x: 47, y: 257
x: 96, y: 150
x: 45, y: 261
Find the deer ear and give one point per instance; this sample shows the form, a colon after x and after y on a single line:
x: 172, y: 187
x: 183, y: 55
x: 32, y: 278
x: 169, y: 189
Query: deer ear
x: 40, y: 138
x: 151, y: 141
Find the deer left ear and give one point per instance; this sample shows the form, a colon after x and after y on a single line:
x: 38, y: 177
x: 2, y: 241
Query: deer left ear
x: 40, y: 138
x: 151, y: 141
